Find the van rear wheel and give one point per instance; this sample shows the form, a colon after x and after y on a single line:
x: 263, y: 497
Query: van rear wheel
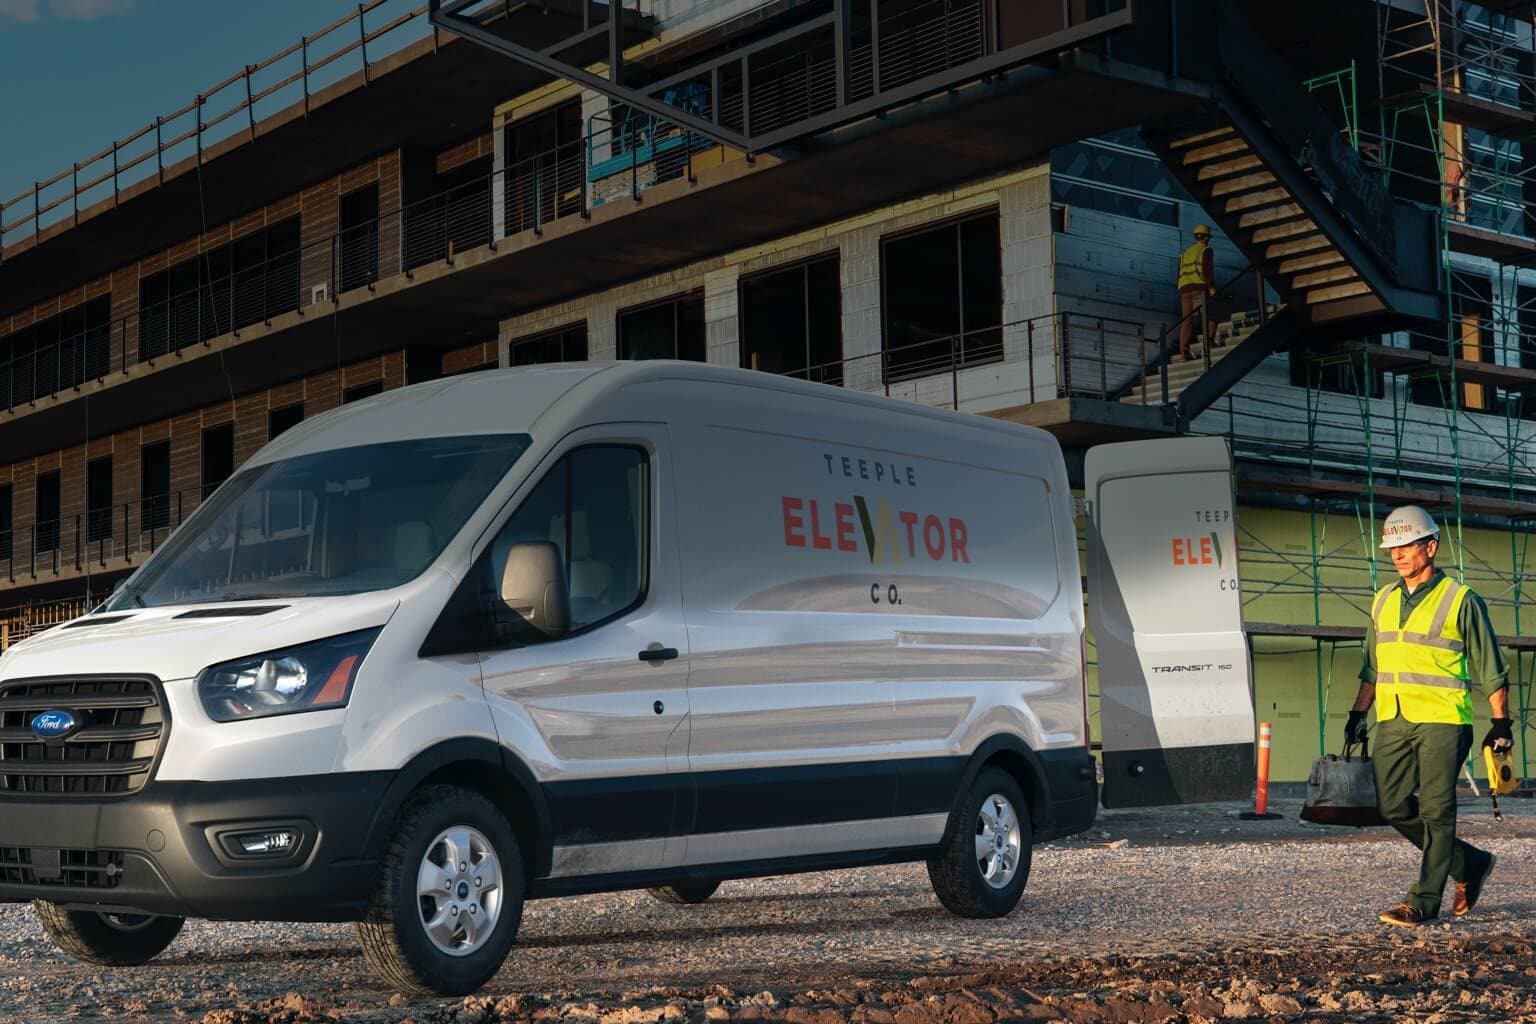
x: 449, y: 897
x: 983, y: 861
x: 115, y: 940
x: 689, y: 892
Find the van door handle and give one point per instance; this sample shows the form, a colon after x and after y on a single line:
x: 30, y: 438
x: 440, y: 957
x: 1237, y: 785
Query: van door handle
x: 656, y: 652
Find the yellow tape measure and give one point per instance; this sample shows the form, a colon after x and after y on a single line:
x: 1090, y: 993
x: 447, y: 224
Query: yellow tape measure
x: 1501, y: 772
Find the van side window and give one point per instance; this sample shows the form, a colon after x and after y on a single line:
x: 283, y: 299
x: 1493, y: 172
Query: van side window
x: 593, y: 506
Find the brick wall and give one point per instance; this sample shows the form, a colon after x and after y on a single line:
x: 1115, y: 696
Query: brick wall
x: 319, y: 210
x: 466, y: 152
x: 322, y: 220
x: 470, y: 357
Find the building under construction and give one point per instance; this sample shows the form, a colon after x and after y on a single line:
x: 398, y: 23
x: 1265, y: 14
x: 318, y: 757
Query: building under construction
x: 975, y: 204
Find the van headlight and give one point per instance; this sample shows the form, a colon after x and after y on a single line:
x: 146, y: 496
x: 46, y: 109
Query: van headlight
x: 307, y: 678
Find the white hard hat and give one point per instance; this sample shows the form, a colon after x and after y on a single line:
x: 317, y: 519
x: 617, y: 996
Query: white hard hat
x: 1406, y: 525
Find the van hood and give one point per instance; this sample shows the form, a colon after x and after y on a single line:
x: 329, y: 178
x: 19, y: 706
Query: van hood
x: 179, y: 641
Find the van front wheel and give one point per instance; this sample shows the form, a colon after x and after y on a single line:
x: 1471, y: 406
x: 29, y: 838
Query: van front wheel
x: 983, y: 862
x: 116, y: 940
x: 449, y: 897
x: 685, y: 892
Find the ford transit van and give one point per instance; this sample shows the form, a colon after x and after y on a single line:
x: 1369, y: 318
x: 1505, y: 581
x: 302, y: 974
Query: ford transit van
x: 566, y: 629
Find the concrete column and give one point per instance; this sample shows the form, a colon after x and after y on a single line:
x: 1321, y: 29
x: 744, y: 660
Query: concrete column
x: 602, y: 329
x: 498, y: 178
x: 593, y: 104
x: 859, y: 269
x: 1029, y: 283
x: 722, y: 323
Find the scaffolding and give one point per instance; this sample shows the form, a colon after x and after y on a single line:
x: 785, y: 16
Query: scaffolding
x: 1442, y: 416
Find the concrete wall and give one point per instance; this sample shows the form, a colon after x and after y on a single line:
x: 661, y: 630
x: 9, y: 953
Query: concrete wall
x: 1023, y: 202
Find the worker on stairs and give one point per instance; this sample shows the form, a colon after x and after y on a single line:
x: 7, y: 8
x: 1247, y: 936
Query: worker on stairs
x: 1197, y: 276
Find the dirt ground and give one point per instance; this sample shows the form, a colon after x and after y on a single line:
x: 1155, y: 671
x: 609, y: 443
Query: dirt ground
x: 1188, y: 915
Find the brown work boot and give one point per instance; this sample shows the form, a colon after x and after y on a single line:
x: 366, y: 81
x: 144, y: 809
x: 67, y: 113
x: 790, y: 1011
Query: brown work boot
x: 1405, y: 915
x: 1468, y: 892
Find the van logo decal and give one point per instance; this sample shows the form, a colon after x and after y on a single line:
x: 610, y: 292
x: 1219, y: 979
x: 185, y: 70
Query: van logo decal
x: 56, y: 725
x: 890, y: 536
x: 1198, y: 550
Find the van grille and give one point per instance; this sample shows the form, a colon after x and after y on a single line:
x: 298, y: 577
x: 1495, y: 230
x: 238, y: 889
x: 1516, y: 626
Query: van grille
x: 80, y: 869
x: 113, y: 754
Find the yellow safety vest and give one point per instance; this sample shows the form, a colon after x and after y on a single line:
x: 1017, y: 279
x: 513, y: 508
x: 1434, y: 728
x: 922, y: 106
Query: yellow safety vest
x: 1421, y: 664
x: 1192, y: 265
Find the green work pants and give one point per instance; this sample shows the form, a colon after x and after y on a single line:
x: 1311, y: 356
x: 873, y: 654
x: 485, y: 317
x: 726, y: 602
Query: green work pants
x: 1427, y: 757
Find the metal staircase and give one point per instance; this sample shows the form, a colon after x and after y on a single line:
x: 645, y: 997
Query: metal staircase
x: 1264, y: 218
x: 1181, y: 374
x: 1269, y: 167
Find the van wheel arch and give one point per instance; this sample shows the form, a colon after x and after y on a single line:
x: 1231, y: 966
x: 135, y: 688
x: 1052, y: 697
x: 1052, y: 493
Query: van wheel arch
x: 1014, y: 756
x: 483, y: 766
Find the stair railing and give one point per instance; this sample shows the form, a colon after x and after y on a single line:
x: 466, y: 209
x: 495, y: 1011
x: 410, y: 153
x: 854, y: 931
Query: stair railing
x: 1159, y: 359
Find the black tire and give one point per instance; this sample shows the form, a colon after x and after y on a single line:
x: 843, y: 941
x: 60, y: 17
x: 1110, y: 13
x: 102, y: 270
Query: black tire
x: 686, y: 893
x: 113, y: 940
x: 956, y: 871
x: 394, y: 935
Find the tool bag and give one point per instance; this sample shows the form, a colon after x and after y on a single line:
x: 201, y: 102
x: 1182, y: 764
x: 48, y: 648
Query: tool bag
x: 1342, y: 790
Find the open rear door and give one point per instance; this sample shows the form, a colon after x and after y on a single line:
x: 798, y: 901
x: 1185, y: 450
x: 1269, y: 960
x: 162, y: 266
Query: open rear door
x: 1175, y: 683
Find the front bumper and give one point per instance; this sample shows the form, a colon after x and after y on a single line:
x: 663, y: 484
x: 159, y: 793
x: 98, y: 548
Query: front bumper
x: 160, y: 851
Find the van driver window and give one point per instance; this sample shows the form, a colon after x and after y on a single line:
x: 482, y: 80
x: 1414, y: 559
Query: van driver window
x: 593, y: 507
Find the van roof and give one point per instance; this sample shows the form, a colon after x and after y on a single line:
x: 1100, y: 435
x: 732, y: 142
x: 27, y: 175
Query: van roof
x: 515, y: 400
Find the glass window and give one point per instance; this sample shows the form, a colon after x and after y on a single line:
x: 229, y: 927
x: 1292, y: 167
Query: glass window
x: 1342, y: 374
x: 155, y: 486
x: 671, y: 329
x: 361, y: 392
x: 47, y: 510
x: 565, y: 345
x: 218, y: 456
x: 249, y: 280
x: 60, y: 352
x: 791, y: 322
x: 593, y: 507
x: 7, y: 523
x: 286, y: 418
x: 943, y: 298
x: 359, y: 243
x: 337, y: 522
x: 546, y: 161
x: 455, y: 217
x: 98, y: 499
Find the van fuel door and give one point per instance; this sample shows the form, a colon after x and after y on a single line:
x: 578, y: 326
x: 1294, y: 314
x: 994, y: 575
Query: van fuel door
x: 1165, y: 608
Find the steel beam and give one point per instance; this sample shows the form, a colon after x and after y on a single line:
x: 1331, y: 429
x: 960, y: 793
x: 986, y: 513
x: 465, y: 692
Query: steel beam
x: 449, y: 15
x: 445, y: 14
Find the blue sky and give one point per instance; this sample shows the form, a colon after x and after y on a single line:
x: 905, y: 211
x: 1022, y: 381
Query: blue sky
x: 77, y: 74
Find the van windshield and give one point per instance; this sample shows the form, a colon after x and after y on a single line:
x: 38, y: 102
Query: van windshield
x: 337, y: 522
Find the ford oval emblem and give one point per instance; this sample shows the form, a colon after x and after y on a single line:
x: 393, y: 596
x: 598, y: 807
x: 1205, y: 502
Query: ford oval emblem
x: 55, y: 725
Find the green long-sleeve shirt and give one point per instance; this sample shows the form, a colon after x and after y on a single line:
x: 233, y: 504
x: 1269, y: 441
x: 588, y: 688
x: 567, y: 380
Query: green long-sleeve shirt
x: 1485, y: 662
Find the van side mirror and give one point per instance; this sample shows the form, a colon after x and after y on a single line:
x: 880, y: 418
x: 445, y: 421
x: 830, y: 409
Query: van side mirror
x: 534, y: 590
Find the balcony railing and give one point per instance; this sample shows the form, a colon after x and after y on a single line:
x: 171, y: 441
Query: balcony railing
x: 232, y: 107
x: 1055, y: 356
x: 534, y: 192
x: 109, y: 537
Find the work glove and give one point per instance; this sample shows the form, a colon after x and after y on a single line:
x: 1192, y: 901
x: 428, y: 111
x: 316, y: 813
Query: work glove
x: 1502, y: 736
x: 1355, y: 729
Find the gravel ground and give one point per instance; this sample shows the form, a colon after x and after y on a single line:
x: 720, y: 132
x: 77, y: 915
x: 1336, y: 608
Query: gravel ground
x: 1179, y: 916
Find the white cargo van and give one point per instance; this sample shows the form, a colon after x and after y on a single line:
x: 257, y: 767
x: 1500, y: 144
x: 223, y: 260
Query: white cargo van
x: 566, y: 629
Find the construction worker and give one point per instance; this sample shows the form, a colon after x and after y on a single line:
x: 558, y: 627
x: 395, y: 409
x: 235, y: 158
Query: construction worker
x: 1429, y: 641
x: 1197, y: 276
